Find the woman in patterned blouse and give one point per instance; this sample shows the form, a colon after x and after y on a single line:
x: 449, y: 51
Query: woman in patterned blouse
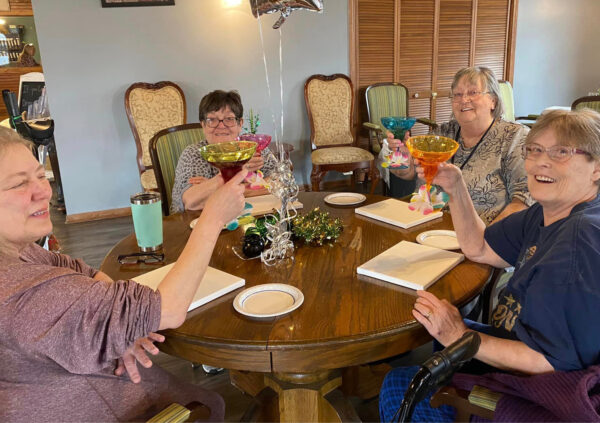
x: 195, y: 179
x: 489, y: 153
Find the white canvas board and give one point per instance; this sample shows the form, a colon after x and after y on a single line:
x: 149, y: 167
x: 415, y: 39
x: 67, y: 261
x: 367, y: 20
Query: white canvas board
x: 215, y: 284
x: 397, y: 213
x: 411, y: 265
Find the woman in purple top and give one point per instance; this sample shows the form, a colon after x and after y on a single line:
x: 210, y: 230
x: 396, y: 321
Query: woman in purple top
x: 64, y: 325
x: 547, y: 315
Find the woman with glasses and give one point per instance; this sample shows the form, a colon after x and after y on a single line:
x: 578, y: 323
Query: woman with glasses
x: 65, y: 325
x: 489, y: 152
x: 547, y: 315
x: 195, y: 179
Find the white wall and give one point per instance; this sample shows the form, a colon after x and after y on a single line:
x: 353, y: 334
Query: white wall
x: 92, y: 54
x: 557, y: 55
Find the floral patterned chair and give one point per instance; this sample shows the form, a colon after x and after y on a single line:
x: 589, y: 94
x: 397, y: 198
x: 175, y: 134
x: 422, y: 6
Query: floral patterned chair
x: 150, y: 108
x: 329, y: 103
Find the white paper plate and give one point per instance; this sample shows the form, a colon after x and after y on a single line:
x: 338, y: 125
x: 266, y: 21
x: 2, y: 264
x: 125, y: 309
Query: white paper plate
x: 193, y: 223
x: 446, y: 240
x: 268, y: 300
x: 345, y: 198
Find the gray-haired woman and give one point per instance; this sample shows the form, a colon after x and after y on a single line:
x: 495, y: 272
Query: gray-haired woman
x: 489, y: 152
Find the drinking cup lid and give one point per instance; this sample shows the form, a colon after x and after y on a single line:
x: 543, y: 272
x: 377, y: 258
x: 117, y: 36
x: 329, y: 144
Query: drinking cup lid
x: 145, y: 198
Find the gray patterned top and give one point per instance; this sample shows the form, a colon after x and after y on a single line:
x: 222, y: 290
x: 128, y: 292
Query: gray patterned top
x: 191, y: 164
x: 495, y: 174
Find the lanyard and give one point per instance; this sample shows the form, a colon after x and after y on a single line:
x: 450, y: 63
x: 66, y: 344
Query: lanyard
x: 476, y: 145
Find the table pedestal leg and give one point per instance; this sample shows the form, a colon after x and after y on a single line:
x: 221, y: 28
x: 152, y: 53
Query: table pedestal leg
x: 301, y: 396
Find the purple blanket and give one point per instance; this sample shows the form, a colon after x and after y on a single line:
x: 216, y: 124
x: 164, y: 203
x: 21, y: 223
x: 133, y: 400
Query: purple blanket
x: 552, y: 397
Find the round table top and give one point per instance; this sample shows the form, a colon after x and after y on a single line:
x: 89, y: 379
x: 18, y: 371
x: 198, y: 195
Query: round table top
x: 346, y: 319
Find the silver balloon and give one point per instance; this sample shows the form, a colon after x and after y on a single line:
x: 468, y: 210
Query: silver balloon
x: 260, y: 7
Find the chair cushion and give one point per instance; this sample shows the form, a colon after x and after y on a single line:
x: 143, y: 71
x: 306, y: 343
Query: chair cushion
x: 506, y: 95
x: 330, y: 105
x: 338, y: 155
x: 169, y: 148
x: 153, y: 110
x: 386, y: 100
x: 148, y: 180
x: 594, y: 105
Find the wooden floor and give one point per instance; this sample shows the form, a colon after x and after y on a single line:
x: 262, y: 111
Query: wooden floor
x: 91, y: 241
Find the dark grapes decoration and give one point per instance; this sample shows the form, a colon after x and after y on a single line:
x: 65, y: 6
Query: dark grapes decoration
x: 253, y: 245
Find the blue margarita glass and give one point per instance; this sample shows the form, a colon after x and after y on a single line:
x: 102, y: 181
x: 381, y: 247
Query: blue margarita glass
x: 398, y: 125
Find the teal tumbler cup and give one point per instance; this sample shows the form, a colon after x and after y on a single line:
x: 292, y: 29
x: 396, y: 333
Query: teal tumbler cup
x: 146, y: 211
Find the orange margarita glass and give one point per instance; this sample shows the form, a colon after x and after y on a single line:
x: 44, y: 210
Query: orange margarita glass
x: 431, y: 150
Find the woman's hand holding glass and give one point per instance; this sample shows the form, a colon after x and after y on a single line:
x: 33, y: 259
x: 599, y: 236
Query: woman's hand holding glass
x: 255, y: 163
x: 448, y: 177
x: 394, y: 144
x: 226, y: 203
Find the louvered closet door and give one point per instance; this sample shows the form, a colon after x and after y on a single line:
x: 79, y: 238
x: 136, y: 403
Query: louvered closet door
x: 416, y: 55
x: 422, y: 43
x: 454, y: 51
x: 375, y: 49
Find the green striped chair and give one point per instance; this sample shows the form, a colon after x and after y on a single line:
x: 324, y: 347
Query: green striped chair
x: 386, y: 99
x: 588, y: 102
x: 165, y: 148
x: 507, y: 97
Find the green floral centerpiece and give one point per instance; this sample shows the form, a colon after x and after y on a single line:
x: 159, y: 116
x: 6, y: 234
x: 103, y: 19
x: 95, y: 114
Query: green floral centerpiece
x: 253, y: 120
x: 316, y: 227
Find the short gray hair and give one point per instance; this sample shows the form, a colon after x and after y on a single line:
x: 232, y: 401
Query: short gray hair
x: 486, y: 76
x: 577, y: 128
x: 10, y: 137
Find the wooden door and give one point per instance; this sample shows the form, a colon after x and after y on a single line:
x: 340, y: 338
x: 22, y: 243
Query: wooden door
x: 422, y: 43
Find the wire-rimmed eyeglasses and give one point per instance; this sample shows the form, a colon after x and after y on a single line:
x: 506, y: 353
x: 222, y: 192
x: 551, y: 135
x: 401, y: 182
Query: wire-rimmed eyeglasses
x: 214, y: 122
x: 557, y: 153
x: 469, y: 95
x: 146, y: 258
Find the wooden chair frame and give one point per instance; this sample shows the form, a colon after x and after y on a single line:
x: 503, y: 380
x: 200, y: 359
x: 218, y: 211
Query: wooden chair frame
x: 379, y: 134
x: 586, y: 99
x: 156, y: 162
x: 318, y: 171
x: 138, y: 143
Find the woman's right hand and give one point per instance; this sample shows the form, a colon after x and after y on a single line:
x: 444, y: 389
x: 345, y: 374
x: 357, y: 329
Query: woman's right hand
x: 448, y: 176
x: 226, y: 203
x: 393, y: 143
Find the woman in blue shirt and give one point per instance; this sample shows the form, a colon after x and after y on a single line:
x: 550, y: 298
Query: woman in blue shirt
x: 543, y: 318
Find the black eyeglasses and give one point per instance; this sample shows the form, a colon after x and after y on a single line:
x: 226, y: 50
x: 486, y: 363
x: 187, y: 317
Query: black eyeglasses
x: 558, y: 153
x: 214, y: 122
x: 146, y: 258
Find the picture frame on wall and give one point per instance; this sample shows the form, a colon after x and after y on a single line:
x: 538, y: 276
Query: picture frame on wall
x: 130, y: 3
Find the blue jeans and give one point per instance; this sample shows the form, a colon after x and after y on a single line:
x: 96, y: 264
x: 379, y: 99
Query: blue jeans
x: 397, y: 381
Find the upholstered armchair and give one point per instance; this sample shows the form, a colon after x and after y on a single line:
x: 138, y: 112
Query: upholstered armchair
x: 150, y: 108
x: 165, y: 148
x: 386, y: 99
x: 588, y: 102
x: 329, y: 103
x: 508, y: 101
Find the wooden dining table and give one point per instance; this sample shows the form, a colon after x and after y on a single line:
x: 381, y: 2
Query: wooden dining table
x: 346, y: 320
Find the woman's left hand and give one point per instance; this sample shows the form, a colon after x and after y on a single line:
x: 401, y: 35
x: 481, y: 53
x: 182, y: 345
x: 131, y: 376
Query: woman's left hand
x: 137, y: 352
x: 255, y: 163
x: 441, y: 319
